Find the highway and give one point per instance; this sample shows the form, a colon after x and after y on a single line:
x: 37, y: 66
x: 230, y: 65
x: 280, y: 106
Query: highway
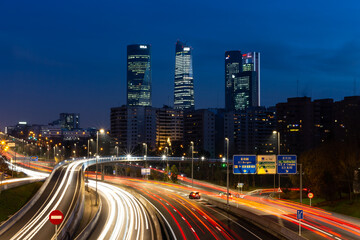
x: 60, y: 192
x: 122, y: 216
x: 185, y: 218
x: 317, y: 222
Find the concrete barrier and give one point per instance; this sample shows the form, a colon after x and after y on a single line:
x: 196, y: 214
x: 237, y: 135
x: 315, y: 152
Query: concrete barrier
x: 85, y: 233
x: 68, y: 229
x: 269, y: 226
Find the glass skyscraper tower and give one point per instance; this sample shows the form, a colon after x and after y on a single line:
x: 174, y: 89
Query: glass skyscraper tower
x: 242, y: 80
x: 233, y: 68
x: 184, y: 80
x: 139, y: 75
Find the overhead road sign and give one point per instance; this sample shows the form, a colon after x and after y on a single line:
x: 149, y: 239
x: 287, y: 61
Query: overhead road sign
x: 11, y: 144
x: 244, y: 164
x: 286, y: 164
x: 266, y: 164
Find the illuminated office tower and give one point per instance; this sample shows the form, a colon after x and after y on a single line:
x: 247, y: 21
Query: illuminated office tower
x: 251, y: 63
x: 184, y: 80
x: 139, y: 75
x: 233, y: 68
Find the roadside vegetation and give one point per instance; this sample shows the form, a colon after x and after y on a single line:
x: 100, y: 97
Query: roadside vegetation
x: 12, y: 200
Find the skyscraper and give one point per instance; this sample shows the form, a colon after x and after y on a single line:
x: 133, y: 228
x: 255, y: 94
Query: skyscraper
x: 251, y: 63
x: 233, y: 67
x: 242, y: 80
x: 139, y: 75
x: 184, y: 80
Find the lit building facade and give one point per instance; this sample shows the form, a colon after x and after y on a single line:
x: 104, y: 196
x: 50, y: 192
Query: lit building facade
x: 242, y: 80
x: 251, y: 63
x: 184, y: 80
x: 233, y: 68
x: 139, y: 75
x: 169, y: 126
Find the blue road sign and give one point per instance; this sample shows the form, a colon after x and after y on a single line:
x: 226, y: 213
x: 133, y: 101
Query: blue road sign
x: 244, y: 164
x: 34, y: 158
x: 286, y: 164
x: 300, y: 214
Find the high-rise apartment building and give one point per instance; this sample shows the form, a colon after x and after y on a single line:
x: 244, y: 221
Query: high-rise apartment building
x: 133, y: 126
x: 169, y: 126
x: 184, y: 79
x: 242, y: 80
x: 139, y: 75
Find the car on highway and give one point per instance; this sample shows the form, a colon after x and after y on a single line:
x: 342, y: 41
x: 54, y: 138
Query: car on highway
x: 194, y: 195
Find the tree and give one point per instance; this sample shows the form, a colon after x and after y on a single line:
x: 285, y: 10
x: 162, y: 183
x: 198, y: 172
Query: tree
x: 174, y: 174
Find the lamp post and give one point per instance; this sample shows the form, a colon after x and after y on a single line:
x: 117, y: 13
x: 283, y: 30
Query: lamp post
x: 97, y: 156
x: 192, y: 163
x: 88, y: 149
x: 227, y: 170
x: 166, y: 157
x: 278, y: 153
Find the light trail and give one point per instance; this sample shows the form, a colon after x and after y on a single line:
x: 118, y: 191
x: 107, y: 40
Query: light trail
x: 127, y: 218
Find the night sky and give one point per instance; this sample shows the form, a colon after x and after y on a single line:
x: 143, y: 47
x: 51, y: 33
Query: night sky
x: 70, y: 56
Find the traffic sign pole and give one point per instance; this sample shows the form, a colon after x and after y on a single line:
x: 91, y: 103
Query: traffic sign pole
x: 299, y: 227
x: 55, y: 232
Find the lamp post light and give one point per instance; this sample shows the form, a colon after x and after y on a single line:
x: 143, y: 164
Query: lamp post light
x: 166, y: 157
x: 97, y: 156
x: 278, y: 152
x: 227, y: 171
x: 88, y: 149
x: 192, y: 163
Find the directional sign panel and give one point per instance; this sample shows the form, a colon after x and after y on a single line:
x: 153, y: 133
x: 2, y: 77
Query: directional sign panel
x: 34, y: 158
x: 244, y: 164
x: 145, y: 171
x: 266, y: 164
x: 286, y: 164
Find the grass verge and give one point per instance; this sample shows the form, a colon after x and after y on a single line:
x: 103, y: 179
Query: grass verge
x: 12, y: 200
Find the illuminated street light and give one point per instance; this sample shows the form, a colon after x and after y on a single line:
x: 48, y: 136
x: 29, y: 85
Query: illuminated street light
x: 227, y: 170
x: 192, y: 163
x: 97, y: 156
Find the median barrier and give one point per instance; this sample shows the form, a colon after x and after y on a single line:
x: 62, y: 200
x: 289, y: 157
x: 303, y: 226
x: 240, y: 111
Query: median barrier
x: 68, y: 229
x: 85, y: 233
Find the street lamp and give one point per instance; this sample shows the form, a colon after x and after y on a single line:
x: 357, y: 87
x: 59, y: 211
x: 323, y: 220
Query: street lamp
x: 227, y: 170
x: 145, y: 145
x: 117, y: 151
x: 167, y: 160
x: 192, y: 163
x: 278, y: 151
x: 88, y: 150
x: 97, y: 156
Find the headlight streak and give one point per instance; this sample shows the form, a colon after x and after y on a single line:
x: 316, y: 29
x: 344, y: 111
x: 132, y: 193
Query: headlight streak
x: 34, y: 223
x: 169, y: 226
x: 129, y: 217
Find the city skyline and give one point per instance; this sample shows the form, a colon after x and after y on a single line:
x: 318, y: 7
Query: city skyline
x: 78, y: 64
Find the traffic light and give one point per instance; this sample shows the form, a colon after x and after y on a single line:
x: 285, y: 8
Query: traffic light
x: 223, y: 165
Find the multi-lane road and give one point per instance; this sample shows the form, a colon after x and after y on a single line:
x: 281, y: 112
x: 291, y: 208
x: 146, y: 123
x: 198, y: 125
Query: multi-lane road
x: 140, y: 209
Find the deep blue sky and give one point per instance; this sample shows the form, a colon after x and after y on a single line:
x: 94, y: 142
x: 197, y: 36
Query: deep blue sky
x: 70, y: 56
